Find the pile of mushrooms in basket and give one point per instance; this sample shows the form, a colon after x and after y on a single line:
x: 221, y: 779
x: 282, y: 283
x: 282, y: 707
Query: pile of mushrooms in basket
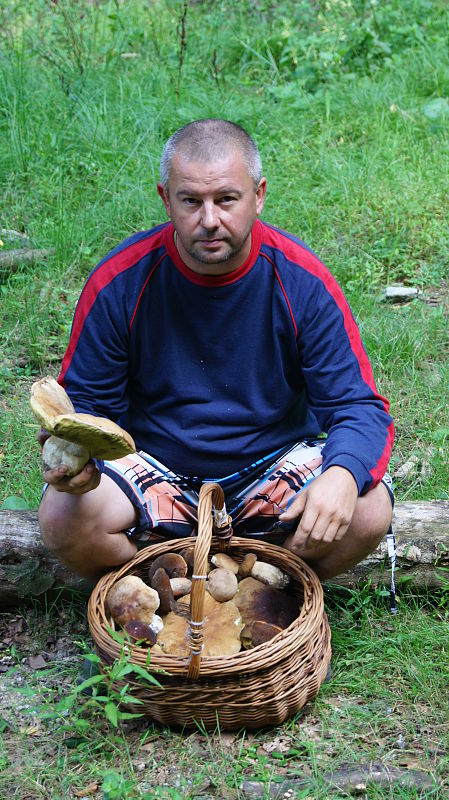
x: 245, y: 604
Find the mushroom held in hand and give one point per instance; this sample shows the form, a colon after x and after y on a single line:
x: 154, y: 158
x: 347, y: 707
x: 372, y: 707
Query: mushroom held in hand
x: 58, y: 451
x: 100, y: 437
x: 130, y: 599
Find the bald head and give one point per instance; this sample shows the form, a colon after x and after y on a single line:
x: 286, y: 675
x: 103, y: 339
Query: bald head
x: 208, y: 140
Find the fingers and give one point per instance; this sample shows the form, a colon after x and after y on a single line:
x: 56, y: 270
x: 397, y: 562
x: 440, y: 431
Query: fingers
x: 86, y: 480
x: 42, y: 437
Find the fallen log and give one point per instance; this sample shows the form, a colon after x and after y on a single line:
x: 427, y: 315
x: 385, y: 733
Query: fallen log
x: 10, y: 259
x: 27, y: 569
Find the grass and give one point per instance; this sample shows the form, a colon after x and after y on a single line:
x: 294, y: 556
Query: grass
x: 89, y: 95
x: 386, y: 703
x: 348, y: 100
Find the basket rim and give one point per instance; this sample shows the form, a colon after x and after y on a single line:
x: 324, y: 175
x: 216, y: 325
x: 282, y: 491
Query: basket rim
x: 274, y: 651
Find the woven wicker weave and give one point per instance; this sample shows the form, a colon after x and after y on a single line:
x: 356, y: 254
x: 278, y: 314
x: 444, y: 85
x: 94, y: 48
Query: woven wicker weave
x: 252, y: 689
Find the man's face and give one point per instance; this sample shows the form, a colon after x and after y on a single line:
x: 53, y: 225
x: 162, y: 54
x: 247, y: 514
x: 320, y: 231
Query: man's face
x: 213, y: 207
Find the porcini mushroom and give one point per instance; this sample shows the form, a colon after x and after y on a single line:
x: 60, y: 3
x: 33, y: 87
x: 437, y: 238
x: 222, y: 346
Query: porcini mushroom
x: 222, y: 584
x: 257, y: 601
x: 271, y: 575
x: 247, y: 564
x: 58, y: 451
x: 221, y: 630
x: 140, y: 632
x: 173, y: 564
x: 100, y: 437
x: 267, y: 573
x: 130, y: 599
x: 223, y: 561
x: 180, y: 586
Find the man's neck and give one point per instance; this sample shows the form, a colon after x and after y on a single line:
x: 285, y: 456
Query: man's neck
x: 220, y: 268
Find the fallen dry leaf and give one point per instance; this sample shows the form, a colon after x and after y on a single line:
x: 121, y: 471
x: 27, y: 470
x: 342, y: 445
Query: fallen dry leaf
x: 281, y: 744
x: 90, y: 789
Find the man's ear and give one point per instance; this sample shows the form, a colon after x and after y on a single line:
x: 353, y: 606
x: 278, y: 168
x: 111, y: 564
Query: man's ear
x: 163, y: 194
x: 260, y: 195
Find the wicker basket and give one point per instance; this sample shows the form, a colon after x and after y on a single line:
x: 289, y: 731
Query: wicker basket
x: 252, y: 689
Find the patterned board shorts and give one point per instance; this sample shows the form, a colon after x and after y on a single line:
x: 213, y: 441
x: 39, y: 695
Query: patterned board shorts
x: 255, y: 496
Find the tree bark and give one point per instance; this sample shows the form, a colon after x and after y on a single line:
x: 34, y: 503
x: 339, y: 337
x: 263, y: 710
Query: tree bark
x: 421, y: 529
x: 10, y: 259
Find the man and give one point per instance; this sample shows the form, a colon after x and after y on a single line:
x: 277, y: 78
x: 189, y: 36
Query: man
x: 224, y: 347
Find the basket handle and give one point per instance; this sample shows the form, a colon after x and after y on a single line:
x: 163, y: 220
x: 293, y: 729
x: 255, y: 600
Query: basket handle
x: 210, y: 493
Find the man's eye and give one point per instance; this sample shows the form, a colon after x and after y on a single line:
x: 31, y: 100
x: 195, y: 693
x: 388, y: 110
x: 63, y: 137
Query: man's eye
x: 190, y: 201
x: 227, y: 199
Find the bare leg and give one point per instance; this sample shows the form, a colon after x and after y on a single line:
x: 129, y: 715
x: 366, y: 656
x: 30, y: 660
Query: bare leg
x: 370, y: 523
x: 85, y: 531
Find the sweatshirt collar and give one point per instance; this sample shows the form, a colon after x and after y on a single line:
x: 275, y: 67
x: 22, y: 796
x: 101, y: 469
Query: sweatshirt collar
x: 214, y: 280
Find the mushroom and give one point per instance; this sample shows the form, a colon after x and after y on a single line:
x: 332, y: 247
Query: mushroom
x: 180, y: 586
x: 258, y: 633
x: 247, y: 564
x: 271, y: 575
x: 173, y: 564
x: 97, y: 436
x: 221, y: 630
x: 262, y: 631
x: 267, y: 573
x: 222, y: 584
x: 257, y: 601
x: 140, y: 632
x: 223, y: 561
x: 58, y: 451
x: 162, y: 584
x: 188, y: 554
x: 131, y: 599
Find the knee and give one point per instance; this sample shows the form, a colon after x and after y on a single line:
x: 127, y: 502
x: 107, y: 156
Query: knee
x: 58, y: 522
x: 373, y: 515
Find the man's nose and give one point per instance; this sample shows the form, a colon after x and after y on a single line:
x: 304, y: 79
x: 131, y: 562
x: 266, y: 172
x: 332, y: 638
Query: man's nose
x: 209, y: 219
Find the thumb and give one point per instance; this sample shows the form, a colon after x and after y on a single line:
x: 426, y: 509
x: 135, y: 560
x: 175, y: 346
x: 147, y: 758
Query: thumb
x: 295, y: 508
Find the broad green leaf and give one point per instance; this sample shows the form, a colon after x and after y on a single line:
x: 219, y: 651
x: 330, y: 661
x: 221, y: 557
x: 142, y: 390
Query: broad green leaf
x: 436, y: 109
x: 14, y: 503
x: 111, y: 712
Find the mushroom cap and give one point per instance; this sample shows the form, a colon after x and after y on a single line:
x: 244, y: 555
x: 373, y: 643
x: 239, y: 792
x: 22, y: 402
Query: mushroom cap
x: 173, y: 564
x: 222, y: 584
x: 223, y: 561
x: 130, y: 599
x: 257, y: 601
x: 141, y: 632
x: 221, y: 630
x: 161, y: 583
x: 54, y: 410
x: 247, y: 564
x: 262, y: 632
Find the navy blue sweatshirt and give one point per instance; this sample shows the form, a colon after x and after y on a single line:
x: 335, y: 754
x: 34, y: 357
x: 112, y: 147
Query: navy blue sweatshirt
x: 209, y: 373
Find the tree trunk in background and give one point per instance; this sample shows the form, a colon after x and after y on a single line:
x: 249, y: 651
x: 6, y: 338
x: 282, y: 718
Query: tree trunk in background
x: 422, y: 538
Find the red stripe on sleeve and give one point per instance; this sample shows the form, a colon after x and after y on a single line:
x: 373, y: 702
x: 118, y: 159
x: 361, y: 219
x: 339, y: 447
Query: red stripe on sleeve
x: 294, y: 252
x: 102, y: 276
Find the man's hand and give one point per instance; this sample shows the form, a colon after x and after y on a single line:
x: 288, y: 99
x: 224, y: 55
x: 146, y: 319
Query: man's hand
x: 86, y: 480
x: 324, y: 509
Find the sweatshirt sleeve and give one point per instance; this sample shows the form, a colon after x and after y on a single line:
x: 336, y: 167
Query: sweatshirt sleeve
x: 341, y: 389
x: 95, y: 367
